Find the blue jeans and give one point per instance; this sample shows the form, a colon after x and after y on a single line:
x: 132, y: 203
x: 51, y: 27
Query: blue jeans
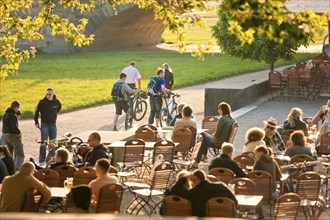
x: 206, y: 143
x: 155, y: 107
x: 48, y: 131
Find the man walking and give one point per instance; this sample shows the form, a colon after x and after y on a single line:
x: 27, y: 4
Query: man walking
x: 169, y: 80
x: 133, y: 75
x: 48, y: 107
x: 12, y: 136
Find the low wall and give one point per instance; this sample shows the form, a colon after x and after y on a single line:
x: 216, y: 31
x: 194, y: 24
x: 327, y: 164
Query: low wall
x: 236, y: 97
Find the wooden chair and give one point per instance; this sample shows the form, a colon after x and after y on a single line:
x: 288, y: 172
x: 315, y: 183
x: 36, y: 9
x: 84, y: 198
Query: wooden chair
x: 223, y: 174
x: 244, y: 161
x: 243, y: 186
x: 176, y: 206
x: 193, y: 136
x: 276, y: 84
x: 109, y: 199
x: 146, y: 134
x: 287, y: 207
x: 64, y: 171
x: 84, y: 176
x: 144, y: 198
x: 220, y: 207
x: 210, y: 123
x: 233, y: 132
x: 308, y: 188
x: 293, y: 85
x: 183, y: 136
x: 286, y: 135
x: 263, y: 181
x: 113, y: 171
x: 166, y: 148
x: 31, y: 201
x: 300, y: 65
x: 299, y: 159
x: 324, y: 147
x: 48, y: 176
x: 70, y: 206
x: 315, y: 86
x: 249, y: 153
x: 308, y: 121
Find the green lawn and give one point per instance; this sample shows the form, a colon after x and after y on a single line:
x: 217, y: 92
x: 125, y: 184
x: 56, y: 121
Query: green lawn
x: 85, y: 79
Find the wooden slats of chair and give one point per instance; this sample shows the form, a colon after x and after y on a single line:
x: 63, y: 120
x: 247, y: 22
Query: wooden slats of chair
x: 210, y: 123
x: 133, y: 153
x: 164, y: 147
x: 243, y: 186
x: 263, y: 181
x: 84, y: 176
x: 176, y: 206
x: 31, y: 201
x: 244, y: 161
x: 113, y: 171
x: 109, y: 199
x: 193, y: 135
x: 48, y: 176
x: 308, y: 185
x: 325, y: 144
x: 161, y: 176
x: 146, y: 134
x: 64, y: 171
x: 232, y: 133
x: 287, y: 207
x: 183, y: 136
x: 223, y: 174
x: 220, y: 207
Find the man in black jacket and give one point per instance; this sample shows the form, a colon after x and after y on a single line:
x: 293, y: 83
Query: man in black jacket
x: 169, y: 79
x: 98, y: 150
x: 12, y: 135
x: 225, y: 160
x: 48, y: 107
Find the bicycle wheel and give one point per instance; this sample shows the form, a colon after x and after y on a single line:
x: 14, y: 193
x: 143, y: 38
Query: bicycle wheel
x: 163, y: 121
x: 128, y: 119
x: 140, y: 110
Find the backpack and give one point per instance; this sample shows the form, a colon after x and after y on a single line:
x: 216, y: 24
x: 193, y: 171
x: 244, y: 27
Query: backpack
x: 116, y: 91
x: 152, y: 88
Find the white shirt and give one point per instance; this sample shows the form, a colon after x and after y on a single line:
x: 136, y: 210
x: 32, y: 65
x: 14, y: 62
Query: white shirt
x: 132, y: 74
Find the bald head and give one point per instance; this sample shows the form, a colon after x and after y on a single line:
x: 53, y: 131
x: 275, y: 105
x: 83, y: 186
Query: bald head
x: 27, y: 168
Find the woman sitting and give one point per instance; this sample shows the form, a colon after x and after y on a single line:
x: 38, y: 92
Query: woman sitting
x: 295, y: 122
x: 7, y: 159
x: 254, y: 138
x: 298, y: 145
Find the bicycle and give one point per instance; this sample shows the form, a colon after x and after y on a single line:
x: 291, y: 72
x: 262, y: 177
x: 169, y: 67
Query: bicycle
x: 167, y: 113
x: 137, y: 110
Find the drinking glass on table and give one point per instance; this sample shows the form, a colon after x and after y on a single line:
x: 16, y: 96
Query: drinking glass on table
x: 68, y: 183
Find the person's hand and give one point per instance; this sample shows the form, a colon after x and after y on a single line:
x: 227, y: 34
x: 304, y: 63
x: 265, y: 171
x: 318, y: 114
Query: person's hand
x: 138, y: 90
x: 323, y: 108
x: 37, y: 125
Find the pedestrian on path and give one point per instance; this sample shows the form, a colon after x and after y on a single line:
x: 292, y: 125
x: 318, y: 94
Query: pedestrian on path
x: 12, y: 135
x: 48, y: 107
x: 169, y: 79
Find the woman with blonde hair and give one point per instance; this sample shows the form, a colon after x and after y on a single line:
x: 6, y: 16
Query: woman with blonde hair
x: 295, y: 122
x: 254, y: 138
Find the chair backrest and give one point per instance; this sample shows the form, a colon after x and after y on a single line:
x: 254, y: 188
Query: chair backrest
x: 210, y: 123
x: 278, y: 161
x: 325, y: 67
x: 70, y: 206
x: 308, y: 185
x: 64, y: 171
x: 161, y: 176
x: 325, y: 143
x: 318, y: 77
x: 300, y: 65
x: 84, y: 176
x: 110, y: 197
x: 176, y: 206
x: 193, y: 135
x: 293, y: 81
x: 113, y: 171
x: 146, y: 134
x: 164, y: 147
x: 275, y: 79
x: 223, y: 174
x: 263, y: 181
x: 249, y: 153
x: 183, y: 136
x: 244, y: 161
x: 243, y: 186
x: 287, y: 207
x: 133, y: 152
x: 301, y: 158
x: 289, y: 70
x: 286, y: 135
x: 31, y: 201
x: 232, y: 133
x: 48, y: 176
x: 220, y: 207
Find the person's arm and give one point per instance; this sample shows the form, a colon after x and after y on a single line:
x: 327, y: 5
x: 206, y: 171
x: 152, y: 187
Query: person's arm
x: 280, y: 144
x: 278, y: 171
x: 165, y: 90
x: 36, y: 114
x: 43, y: 189
x: 59, y: 107
x: 316, y: 118
x: 220, y: 127
x: 13, y: 125
x: 238, y: 171
x: 128, y: 89
x: 139, y: 79
x: 171, y: 82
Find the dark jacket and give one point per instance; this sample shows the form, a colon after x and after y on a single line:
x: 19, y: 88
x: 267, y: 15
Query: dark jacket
x: 10, y: 164
x: 169, y: 80
x: 205, y: 191
x: 299, y: 125
x: 3, y: 171
x: 178, y: 116
x: 10, y: 122
x: 226, y: 162
x: 48, y: 110
x: 222, y: 133
x: 295, y: 150
x: 95, y: 154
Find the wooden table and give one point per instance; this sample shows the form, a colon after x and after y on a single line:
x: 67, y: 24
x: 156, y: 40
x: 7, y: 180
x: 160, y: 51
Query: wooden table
x: 58, y: 192
x: 248, y: 201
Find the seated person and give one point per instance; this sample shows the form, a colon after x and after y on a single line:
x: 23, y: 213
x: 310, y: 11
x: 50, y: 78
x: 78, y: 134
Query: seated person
x: 14, y: 187
x: 98, y: 150
x: 325, y: 127
x: 266, y: 163
x: 180, y: 107
x: 298, y: 145
x: 3, y: 171
x: 221, y: 134
x: 61, y: 157
x: 7, y: 159
x: 186, y: 120
x: 103, y: 178
x: 203, y: 190
x: 225, y: 160
x: 253, y: 138
x: 295, y: 122
x: 320, y: 115
x: 272, y: 138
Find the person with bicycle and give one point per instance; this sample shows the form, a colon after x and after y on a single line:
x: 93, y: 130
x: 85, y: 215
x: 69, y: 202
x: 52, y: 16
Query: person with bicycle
x: 156, y: 100
x: 120, y: 96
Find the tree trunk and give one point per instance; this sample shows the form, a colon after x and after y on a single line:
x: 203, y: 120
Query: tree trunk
x: 272, y: 63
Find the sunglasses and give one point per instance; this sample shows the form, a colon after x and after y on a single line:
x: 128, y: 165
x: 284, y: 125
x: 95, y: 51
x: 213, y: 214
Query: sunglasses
x: 271, y: 128
x: 49, y: 94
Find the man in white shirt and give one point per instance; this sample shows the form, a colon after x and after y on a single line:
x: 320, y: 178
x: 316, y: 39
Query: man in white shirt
x: 133, y: 75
